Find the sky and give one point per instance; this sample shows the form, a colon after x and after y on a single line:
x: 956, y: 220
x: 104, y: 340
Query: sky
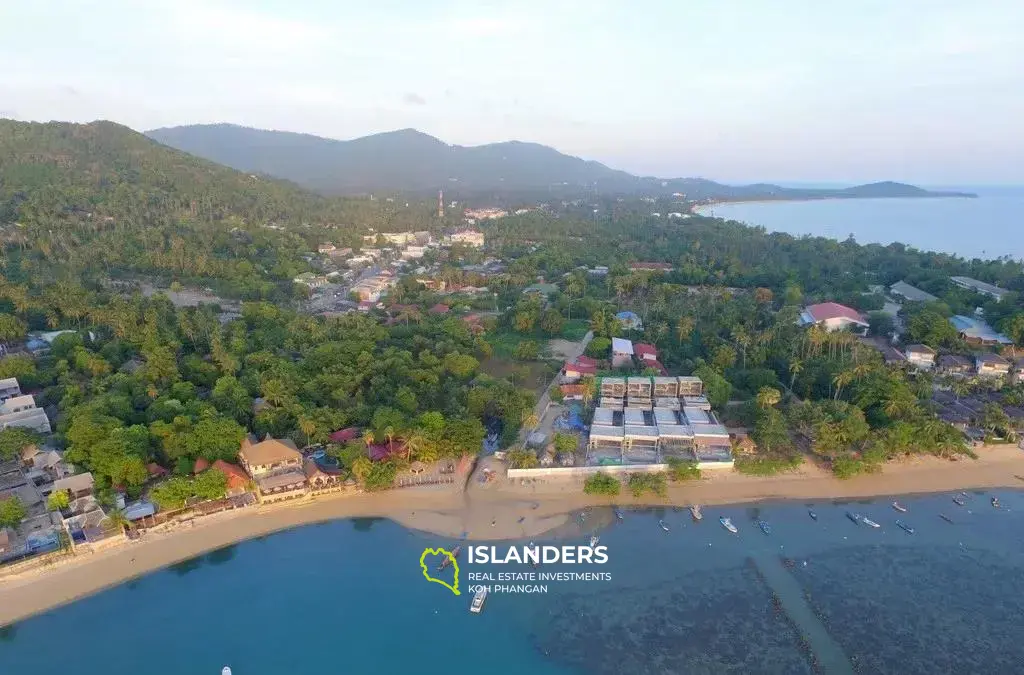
x: 924, y: 91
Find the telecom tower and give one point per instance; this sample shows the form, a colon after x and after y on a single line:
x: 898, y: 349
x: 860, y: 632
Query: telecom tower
x: 440, y: 203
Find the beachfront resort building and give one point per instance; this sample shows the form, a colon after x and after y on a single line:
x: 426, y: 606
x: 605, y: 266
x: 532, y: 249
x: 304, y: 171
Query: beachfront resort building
x: 636, y: 436
x: 832, y: 317
x: 628, y: 430
x: 276, y: 466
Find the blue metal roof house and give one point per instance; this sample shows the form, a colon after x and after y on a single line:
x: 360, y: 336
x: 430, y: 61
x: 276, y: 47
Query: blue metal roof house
x: 977, y: 331
x: 630, y: 321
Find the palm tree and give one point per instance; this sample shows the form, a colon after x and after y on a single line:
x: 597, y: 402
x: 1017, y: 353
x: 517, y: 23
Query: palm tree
x: 795, y: 366
x: 530, y: 420
x: 360, y: 467
x: 307, y: 426
x: 684, y: 327
x: 368, y: 438
x: 658, y: 331
x: 589, y: 389
x: 119, y: 520
x: 414, y: 442
x: 389, y: 436
x: 841, y: 380
x: 599, y: 321
x: 274, y: 392
x: 768, y: 397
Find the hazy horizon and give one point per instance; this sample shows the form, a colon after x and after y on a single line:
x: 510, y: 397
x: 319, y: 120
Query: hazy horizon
x: 929, y: 93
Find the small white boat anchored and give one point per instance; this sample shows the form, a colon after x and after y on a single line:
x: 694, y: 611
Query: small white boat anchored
x: 225, y: 671
x: 899, y: 507
x: 478, y: 601
x: 593, y: 541
x: 727, y: 524
x: 663, y: 525
x: 696, y: 512
x: 867, y: 521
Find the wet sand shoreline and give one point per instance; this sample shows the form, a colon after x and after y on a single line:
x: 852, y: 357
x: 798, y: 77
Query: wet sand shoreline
x: 486, y: 513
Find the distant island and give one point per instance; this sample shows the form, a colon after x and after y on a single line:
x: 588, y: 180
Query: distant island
x: 410, y: 161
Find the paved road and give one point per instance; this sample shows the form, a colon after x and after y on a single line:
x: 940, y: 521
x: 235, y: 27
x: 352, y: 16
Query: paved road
x: 545, y: 399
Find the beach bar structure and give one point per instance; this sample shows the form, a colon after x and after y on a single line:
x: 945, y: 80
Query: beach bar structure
x: 666, y: 387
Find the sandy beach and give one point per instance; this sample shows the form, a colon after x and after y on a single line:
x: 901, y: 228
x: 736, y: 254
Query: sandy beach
x: 483, y: 512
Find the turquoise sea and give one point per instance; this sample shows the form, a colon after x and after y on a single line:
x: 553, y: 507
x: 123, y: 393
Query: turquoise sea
x: 348, y: 597
x: 991, y: 226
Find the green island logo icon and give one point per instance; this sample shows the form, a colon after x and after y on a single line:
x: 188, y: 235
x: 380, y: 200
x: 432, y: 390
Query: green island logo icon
x: 454, y: 588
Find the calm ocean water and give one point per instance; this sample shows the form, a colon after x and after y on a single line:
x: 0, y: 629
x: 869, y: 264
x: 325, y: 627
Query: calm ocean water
x: 990, y: 226
x: 348, y: 597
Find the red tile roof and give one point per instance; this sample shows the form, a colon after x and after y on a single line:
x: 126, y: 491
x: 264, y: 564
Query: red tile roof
x: 200, y: 466
x: 380, y: 451
x: 439, y: 308
x: 344, y: 435
x: 586, y: 361
x: 645, y: 351
x: 572, y: 389
x: 582, y: 369
x: 156, y: 470
x: 833, y: 310
x: 237, y: 477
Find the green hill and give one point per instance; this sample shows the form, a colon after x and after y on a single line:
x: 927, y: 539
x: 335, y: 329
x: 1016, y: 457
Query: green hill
x: 59, y: 171
x: 413, y: 162
x: 99, y: 200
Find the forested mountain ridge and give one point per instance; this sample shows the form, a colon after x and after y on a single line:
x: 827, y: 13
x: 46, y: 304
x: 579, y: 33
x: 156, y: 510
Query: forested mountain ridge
x: 59, y: 170
x: 86, y: 201
x: 404, y: 160
x: 411, y: 161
